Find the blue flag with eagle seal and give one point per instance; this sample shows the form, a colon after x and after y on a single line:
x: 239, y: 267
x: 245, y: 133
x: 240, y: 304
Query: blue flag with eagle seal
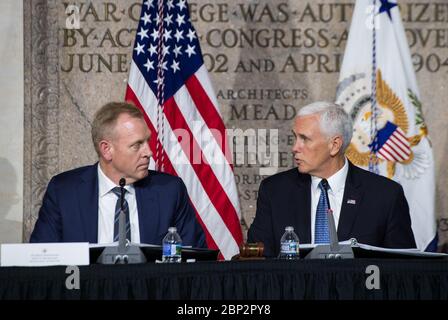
x: 378, y: 88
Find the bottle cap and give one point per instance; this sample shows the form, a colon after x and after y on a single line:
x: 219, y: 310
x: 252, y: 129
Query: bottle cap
x: 289, y: 228
x: 172, y: 229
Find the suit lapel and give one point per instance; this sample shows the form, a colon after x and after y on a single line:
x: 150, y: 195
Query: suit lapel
x: 148, y: 210
x: 88, y: 203
x: 302, y: 201
x: 351, y: 203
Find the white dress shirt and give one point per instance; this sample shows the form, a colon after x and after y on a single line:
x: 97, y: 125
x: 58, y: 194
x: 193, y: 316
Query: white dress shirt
x: 335, y: 195
x: 106, y: 209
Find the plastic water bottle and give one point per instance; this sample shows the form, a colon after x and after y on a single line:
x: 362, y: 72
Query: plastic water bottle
x: 172, y: 246
x: 289, y: 245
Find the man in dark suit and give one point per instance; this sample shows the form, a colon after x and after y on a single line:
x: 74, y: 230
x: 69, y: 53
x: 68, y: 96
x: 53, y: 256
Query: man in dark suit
x: 81, y: 205
x: 366, y: 206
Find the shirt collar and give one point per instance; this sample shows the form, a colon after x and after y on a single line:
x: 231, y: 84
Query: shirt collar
x: 105, y: 185
x: 336, y: 181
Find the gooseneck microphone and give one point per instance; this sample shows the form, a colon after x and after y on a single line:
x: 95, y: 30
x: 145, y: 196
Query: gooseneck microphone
x: 122, y: 218
x: 333, y: 250
x: 326, y: 187
x: 122, y: 183
x: 124, y: 253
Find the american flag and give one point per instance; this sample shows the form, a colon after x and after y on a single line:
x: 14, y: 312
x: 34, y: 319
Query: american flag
x: 393, y: 144
x: 169, y: 82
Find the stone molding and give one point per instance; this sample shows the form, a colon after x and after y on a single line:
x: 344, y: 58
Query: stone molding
x: 41, y: 109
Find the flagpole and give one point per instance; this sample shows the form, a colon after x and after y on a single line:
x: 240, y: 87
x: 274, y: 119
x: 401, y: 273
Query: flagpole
x: 373, y: 159
x: 160, y: 91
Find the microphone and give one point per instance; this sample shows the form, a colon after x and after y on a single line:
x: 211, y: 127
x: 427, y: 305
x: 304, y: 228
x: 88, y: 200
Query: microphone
x: 122, y: 217
x: 123, y: 253
x: 122, y: 183
x: 333, y: 250
x: 326, y: 187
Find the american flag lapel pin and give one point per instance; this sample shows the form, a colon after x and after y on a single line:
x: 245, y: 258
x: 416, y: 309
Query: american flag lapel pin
x: 351, y: 201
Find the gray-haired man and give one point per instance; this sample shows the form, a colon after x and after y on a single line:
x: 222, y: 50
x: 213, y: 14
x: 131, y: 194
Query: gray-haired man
x: 368, y: 207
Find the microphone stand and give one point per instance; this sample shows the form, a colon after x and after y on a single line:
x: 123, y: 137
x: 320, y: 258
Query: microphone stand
x: 334, y: 242
x: 122, y: 219
x: 334, y: 250
x: 125, y: 252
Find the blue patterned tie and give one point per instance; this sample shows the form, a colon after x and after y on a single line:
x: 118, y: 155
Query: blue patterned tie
x: 117, y: 192
x: 321, y: 234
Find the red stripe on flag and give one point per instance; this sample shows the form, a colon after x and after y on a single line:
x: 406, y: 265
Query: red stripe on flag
x: 401, y: 133
x: 209, y: 113
x: 400, y: 138
x: 394, y: 150
x: 391, y: 152
x: 131, y: 97
x: 385, y: 155
x: 400, y: 146
x: 210, y: 183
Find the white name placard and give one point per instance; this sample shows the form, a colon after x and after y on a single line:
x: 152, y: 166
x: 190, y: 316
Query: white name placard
x: 44, y: 254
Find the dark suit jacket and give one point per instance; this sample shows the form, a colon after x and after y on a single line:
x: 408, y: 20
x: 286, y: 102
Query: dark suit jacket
x: 379, y: 217
x: 69, y: 211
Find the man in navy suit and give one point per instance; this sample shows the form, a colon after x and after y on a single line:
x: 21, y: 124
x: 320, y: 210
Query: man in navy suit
x: 366, y: 206
x: 80, y: 205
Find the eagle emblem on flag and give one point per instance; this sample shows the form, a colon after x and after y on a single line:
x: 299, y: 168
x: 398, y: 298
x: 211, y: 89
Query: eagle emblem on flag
x: 392, y: 143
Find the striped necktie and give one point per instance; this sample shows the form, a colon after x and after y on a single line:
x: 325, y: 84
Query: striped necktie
x: 321, y: 233
x: 117, y: 192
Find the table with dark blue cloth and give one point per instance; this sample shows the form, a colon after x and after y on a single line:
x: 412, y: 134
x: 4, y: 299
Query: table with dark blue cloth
x: 234, y: 280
